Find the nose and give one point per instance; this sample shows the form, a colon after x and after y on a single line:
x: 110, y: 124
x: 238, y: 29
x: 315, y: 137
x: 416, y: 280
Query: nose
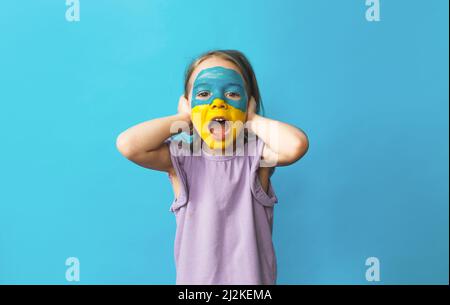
x: 219, y: 104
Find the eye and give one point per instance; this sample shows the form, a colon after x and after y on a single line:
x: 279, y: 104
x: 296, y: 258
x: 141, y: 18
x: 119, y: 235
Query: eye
x: 233, y: 95
x: 203, y: 95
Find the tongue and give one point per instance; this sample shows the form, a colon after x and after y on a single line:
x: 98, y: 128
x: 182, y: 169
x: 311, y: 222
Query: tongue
x: 218, y: 131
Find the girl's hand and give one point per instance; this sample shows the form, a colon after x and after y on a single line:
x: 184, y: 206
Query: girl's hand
x: 251, y: 110
x: 184, y: 107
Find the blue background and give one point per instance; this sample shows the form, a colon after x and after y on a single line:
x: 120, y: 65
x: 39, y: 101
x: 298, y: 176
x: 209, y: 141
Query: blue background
x: 372, y: 97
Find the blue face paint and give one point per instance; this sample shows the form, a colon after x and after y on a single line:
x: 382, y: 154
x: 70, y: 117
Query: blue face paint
x: 219, y: 82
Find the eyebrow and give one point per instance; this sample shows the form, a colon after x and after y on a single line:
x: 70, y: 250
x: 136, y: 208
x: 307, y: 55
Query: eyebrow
x: 234, y: 84
x: 201, y: 84
x: 207, y: 84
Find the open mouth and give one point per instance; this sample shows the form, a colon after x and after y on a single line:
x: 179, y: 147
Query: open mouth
x: 219, y: 127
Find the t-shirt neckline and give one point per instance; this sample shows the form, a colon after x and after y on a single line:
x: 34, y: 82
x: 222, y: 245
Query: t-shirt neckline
x: 222, y: 157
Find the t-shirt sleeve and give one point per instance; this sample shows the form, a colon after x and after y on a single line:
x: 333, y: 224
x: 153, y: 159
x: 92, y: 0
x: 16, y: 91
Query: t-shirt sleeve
x: 178, y: 158
x: 268, y: 198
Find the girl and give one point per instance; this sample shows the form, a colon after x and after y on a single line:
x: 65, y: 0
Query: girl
x: 224, y: 199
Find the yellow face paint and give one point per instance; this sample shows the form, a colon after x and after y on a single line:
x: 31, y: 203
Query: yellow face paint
x: 203, y: 121
x: 219, y: 104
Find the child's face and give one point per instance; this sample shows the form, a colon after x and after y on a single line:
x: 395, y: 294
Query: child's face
x: 219, y: 102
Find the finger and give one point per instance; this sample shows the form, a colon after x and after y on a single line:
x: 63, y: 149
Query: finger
x: 182, y: 99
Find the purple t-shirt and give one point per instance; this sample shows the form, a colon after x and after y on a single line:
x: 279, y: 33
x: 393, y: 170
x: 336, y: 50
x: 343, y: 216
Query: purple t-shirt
x: 224, y: 218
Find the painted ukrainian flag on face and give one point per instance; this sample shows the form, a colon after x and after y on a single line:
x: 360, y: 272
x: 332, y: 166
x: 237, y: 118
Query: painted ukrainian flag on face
x: 219, y: 100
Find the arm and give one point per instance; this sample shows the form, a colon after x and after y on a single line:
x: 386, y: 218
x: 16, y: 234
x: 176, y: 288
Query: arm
x: 285, y: 144
x: 144, y: 143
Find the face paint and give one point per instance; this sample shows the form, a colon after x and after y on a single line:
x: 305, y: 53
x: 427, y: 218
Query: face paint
x: 218, y: 93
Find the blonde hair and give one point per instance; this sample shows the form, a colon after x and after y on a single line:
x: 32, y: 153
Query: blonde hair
x: 243, y: 64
